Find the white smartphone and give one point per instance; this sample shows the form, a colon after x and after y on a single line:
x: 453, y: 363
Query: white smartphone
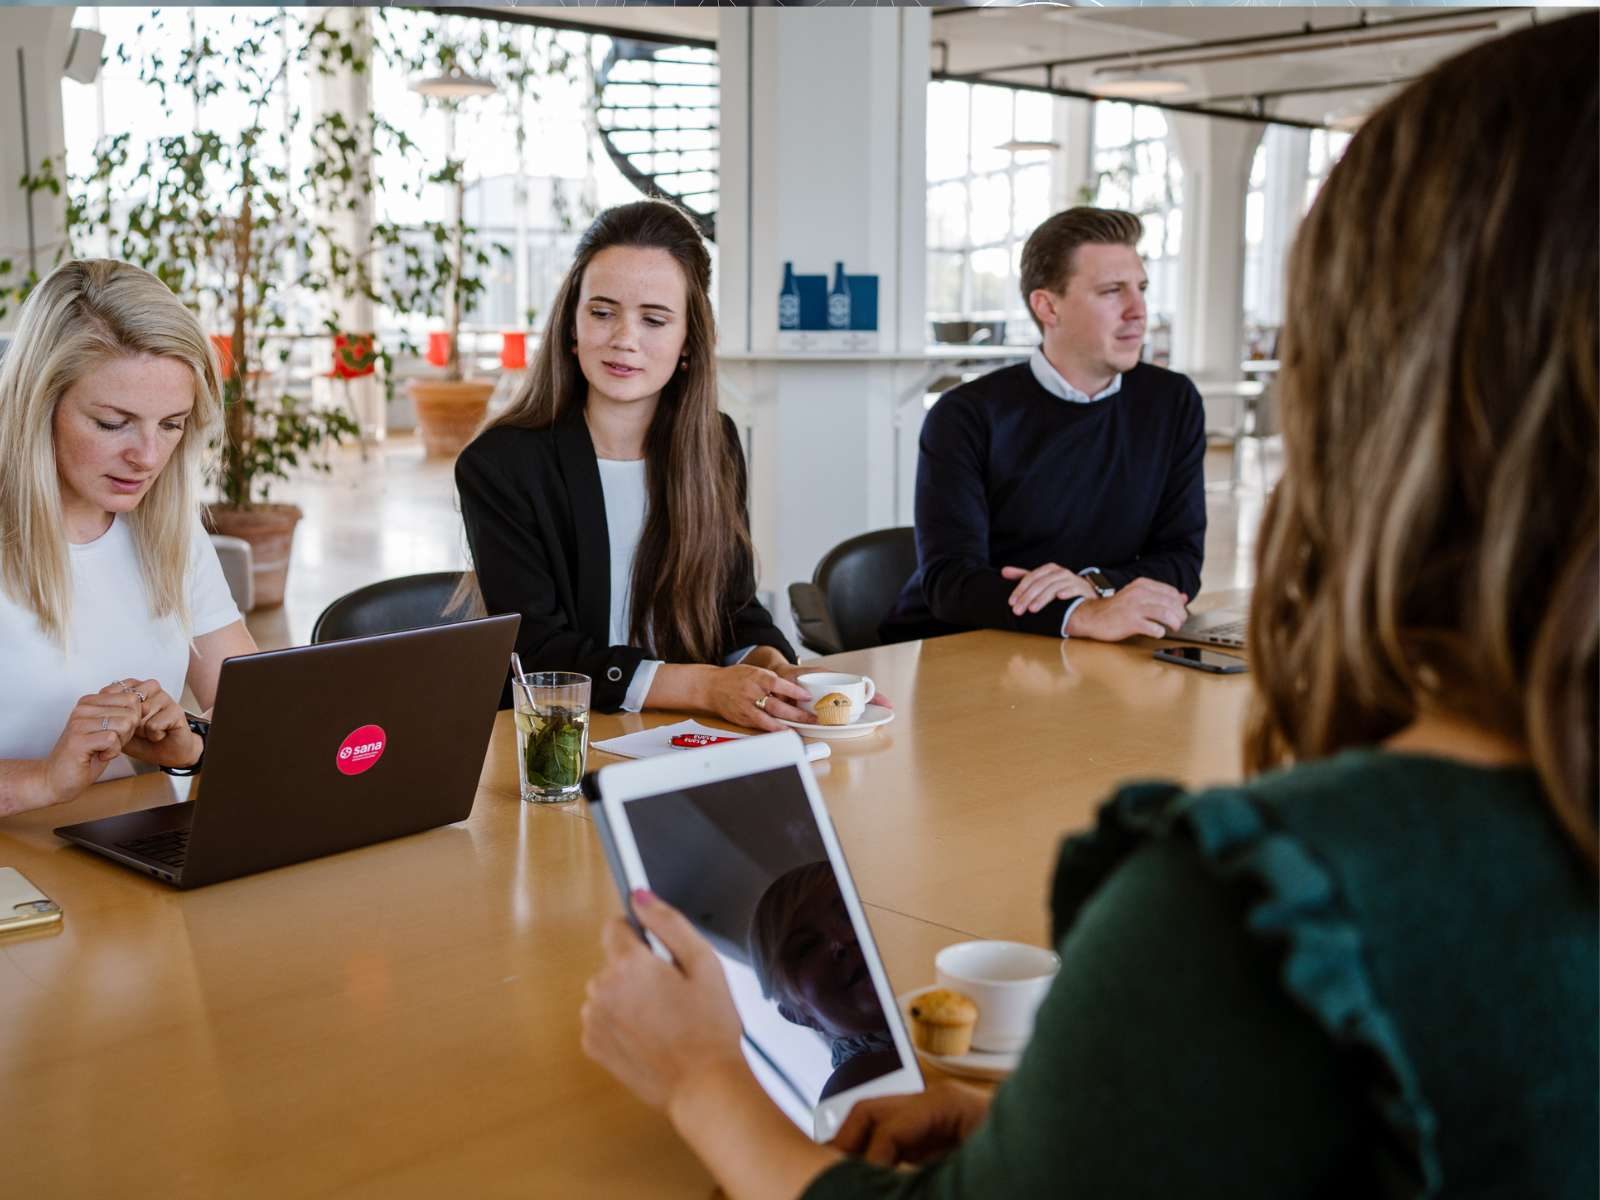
x: 736, y: 838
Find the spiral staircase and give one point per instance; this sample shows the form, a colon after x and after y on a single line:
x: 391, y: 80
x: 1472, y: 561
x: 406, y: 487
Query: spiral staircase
x: 657, y: 114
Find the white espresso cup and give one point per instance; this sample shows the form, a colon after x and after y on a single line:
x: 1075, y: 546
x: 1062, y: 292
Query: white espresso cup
x: 858, y: 689
x: 1006, y: 980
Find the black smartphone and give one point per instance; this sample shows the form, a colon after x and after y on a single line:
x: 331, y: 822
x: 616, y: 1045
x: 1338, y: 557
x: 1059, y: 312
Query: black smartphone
x: 1202, y: 659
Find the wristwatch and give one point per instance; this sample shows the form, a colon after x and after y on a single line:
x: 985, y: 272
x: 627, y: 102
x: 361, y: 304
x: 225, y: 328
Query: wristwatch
x: 197, y: 725
x: 1096, y: 579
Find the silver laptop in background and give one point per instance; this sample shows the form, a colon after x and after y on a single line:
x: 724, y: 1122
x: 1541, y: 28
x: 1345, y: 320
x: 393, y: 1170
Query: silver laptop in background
x: 1219, y: 627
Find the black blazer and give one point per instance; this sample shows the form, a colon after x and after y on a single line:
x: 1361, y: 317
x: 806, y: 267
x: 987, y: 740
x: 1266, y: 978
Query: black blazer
x: 536, y: 527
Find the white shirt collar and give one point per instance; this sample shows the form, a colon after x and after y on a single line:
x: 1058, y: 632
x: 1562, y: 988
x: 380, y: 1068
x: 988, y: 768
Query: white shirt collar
x: 1052, y: 381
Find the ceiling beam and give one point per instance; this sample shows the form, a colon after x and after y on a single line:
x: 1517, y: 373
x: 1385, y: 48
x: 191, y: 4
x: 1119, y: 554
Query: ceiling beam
x: 1157, y: 55
x: 535, y: 18
x: 1222, y: 114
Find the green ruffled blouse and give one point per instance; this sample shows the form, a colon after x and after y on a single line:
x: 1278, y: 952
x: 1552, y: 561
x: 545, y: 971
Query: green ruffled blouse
x: 1373, y: 976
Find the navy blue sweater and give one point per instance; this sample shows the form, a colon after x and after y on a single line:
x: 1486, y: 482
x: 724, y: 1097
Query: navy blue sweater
x: 1009, y: 475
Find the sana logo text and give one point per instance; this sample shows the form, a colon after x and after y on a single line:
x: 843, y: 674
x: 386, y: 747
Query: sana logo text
x: 361, y: 749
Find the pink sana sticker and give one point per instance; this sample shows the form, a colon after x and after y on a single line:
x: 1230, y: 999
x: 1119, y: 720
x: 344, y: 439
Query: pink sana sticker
x: 361, y: 750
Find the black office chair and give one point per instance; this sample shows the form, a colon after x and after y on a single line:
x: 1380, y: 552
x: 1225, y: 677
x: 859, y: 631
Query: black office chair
x: 389, y: 606
x: 852, y: 590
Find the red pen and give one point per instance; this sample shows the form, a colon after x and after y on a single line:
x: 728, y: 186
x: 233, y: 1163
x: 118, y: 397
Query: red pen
x: 692, y: 741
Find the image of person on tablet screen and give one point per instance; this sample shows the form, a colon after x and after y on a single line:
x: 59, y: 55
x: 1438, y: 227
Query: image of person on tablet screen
x: 808, y: 960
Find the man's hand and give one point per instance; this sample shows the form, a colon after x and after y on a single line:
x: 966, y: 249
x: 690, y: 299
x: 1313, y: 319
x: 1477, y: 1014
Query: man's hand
x: 1040, y: 586
x: 1145, y: 606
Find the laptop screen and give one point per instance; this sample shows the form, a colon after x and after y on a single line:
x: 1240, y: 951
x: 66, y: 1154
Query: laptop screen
x: 743, y: 858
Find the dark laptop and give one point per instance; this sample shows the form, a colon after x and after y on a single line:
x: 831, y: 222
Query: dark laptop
x: 324, y: 748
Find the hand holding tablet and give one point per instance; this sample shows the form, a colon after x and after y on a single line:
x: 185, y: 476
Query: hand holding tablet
x: 736, y: 837
x: 652, y: 1022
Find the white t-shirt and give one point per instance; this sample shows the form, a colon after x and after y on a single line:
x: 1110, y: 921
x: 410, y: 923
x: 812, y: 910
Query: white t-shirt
x: 622, y: 484
x: 110, y: 635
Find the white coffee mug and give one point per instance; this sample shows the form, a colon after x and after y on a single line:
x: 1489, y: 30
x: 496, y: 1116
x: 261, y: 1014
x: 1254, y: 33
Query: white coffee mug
x: 1006, y: 980
x: 858, y: 689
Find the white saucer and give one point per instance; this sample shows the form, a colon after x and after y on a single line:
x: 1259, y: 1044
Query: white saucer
x: 975, y: 1064
x: 871, y: 717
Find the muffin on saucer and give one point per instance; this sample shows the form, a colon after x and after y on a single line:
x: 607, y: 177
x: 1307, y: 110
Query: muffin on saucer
x: 942, y: 1021
x: 833, y: 709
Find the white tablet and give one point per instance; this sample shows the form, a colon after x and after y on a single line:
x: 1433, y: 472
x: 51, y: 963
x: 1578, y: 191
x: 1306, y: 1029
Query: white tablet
x: 735, y: 837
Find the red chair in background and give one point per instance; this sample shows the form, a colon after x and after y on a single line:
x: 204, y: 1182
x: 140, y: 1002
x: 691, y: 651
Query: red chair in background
x: 355, y: 356
x: 438, y: 349
x: 513, y: 366
x: 514, y: 352
x: 222, y: 343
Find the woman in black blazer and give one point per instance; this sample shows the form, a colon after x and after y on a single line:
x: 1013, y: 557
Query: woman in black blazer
x: 613, y: 461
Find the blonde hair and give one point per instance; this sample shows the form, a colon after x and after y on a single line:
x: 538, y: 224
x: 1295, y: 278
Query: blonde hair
x: 83, y: 315
x: 1433, y: 543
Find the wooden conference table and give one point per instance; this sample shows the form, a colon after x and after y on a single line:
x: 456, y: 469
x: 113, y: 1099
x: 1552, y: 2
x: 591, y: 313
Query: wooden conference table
x: 402, y: 1020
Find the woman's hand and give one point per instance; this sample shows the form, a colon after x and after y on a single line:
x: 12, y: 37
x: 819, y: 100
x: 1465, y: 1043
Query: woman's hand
x: 97, y: 729
x: 163, y: 737
x: 654, y: 1024
x: 766, y: 656
x: 912, y: 1129
x: 754, y: 697
x: 793, y: 671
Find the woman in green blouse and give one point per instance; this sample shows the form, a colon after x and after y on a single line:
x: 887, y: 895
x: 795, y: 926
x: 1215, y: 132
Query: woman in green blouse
x: 1373, y: 972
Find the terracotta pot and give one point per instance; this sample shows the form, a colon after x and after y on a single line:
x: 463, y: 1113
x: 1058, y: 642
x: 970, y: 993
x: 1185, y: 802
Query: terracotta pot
x: 449, y: 412
x: 269, y: 528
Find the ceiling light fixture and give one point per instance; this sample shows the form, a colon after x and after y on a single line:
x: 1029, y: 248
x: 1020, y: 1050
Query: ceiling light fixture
x: 454, y: 85
x: 1137, y: 83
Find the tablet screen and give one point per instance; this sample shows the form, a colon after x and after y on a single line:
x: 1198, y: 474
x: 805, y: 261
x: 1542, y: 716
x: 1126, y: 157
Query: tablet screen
x: 743, y: 858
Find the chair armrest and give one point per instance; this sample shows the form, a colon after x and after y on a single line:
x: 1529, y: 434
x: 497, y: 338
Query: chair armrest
x: 238, y: 568
x: 817, y: 630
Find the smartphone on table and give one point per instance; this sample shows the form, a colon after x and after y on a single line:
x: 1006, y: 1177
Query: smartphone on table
x: 1201, y: 659
x: 23, y: 906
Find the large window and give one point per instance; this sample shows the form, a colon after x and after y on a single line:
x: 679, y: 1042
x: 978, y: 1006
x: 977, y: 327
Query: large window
x: 1136, y: 168
x: 1327, y: 147
x: 1285, y: 175
x: 535, y: 168
x: 986, y: 193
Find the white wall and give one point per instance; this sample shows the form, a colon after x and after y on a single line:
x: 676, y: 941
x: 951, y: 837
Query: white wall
x: 823, y: 159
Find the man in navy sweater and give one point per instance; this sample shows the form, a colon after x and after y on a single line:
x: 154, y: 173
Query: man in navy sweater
x: 1064, y: 496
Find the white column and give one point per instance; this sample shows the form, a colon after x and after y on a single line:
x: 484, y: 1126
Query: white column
x: 349, y: 93
x: 33, y: 227
x: 823, y: 159
x: 1216, y: 177
x: 1072, y: 167
x: 1288, y: 157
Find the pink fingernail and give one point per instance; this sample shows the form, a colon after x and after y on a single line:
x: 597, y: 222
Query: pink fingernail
x: 644, y: 897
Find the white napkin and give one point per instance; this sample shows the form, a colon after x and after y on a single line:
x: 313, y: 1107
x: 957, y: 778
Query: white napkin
x: 650, y: 742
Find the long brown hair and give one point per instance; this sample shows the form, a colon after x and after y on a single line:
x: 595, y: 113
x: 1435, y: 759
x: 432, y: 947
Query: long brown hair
x: 1433, y: 543
x: 695, y: 542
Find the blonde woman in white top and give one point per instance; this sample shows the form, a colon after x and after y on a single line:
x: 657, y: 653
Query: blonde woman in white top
x: 111, y: 595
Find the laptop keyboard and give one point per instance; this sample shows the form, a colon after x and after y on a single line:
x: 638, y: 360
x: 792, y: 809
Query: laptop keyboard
x: 170, y: 848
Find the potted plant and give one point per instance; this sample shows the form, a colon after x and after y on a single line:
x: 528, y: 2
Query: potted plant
x: 213, y: 214
x: 449, y: 406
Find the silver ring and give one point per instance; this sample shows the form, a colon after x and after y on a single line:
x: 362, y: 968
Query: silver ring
x: 105, y: 724
x: 762, y: 703
x: 139, y: 694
